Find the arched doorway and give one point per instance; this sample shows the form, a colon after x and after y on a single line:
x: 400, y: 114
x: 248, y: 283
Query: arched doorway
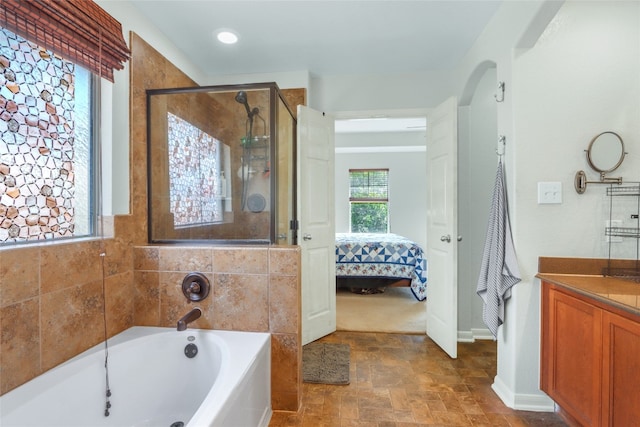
x: 477, y: 159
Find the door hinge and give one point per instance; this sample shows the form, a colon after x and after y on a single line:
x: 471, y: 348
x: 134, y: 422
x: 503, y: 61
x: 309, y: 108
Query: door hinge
x: 294, y: 224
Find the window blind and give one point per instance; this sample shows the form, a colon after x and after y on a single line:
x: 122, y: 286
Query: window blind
x: 78, y: 30
x: 368, y: 185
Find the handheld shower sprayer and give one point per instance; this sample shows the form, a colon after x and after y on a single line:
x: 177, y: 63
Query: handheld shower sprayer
x: 245, y: 172
x: 241, y: 98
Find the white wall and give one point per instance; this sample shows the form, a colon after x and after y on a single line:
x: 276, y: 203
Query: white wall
x: 379, y: 92
x: 407, y: 175
x: 582, y: 77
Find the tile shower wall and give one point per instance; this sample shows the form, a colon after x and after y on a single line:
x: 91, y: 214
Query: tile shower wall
x: 252, y: 289
x: 51, y: 296
x: 51, y: 302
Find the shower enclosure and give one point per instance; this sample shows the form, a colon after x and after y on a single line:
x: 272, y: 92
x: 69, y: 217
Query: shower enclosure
x: 221, y: 165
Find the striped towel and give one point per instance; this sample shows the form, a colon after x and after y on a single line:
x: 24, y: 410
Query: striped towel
x: 499, y: 270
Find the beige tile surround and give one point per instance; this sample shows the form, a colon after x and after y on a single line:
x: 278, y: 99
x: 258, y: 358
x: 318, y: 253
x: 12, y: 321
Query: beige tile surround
x: 47, y: 317
x: 51, y: 302
x: 253, y: 289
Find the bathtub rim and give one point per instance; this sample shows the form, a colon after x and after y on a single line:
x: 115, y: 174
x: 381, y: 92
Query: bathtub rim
x: 232, y: 369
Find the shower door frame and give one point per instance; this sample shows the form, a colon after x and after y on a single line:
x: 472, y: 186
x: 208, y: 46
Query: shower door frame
x: 274, y: 95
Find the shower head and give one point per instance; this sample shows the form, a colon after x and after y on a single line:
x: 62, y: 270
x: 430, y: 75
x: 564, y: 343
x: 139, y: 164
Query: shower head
x: 241, y: 97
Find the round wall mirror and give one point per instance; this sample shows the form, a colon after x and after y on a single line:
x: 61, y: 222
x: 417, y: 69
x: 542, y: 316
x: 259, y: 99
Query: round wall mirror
x: 606, y: 152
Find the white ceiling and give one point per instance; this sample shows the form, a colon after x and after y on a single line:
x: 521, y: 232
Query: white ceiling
x: 327, y: 37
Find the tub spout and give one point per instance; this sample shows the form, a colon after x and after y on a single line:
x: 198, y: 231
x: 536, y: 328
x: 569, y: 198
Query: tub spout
x: 188, y: 318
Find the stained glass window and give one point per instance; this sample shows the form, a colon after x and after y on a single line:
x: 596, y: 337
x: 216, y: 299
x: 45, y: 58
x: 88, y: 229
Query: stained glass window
x: 195, y: 188
x: 45, y: 144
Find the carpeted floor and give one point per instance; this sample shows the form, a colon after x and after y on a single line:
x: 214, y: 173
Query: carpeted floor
x: 395, y: 311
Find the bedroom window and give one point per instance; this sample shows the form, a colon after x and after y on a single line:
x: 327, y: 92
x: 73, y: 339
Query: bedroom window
x: 369, y: 200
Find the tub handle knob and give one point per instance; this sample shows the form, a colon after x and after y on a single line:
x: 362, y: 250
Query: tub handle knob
x: 195, y: 286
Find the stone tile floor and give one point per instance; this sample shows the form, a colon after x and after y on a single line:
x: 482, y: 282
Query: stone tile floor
x: 408, y: 381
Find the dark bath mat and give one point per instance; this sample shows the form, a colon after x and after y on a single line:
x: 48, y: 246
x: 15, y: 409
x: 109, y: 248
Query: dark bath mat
x: 325, y: 363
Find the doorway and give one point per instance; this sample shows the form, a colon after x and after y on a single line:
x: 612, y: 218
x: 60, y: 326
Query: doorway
x: 478, y: 137
x: 393, y: 140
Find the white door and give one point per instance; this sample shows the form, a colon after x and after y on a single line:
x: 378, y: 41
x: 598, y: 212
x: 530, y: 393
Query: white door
x: 316, y: 233
x: 442, y: 228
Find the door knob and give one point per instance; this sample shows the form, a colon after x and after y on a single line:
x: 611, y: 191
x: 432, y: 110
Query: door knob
x: 306, y: 237
x: 459, y: 238
x: 445, y: 238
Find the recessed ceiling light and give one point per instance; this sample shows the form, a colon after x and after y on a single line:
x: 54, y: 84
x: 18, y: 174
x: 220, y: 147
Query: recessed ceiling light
x: 227, y: 37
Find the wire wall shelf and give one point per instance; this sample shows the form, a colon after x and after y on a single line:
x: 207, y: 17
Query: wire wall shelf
x: 624, y: 190
x: 622, y: 231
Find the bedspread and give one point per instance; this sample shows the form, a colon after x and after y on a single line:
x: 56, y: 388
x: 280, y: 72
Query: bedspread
x: 382, y: 255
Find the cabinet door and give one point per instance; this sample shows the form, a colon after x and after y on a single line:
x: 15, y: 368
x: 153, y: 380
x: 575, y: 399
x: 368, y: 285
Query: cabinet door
x: 621, y: 367
x: 574, y: 353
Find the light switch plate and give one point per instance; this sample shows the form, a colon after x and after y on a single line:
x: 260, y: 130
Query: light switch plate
x: 549, y: 192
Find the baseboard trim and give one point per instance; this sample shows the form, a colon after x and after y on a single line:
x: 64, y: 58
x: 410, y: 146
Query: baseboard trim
x: 475, y: 334
x: 522, y: 402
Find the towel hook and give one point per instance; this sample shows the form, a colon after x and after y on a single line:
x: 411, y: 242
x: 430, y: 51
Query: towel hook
x: 500, y: 96
x: 502, y: 141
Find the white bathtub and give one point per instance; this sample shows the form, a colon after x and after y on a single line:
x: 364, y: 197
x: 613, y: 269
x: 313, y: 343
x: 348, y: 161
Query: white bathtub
x: 153, y: 383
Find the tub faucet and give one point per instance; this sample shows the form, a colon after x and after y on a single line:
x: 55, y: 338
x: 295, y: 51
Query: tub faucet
x: 188, y: 318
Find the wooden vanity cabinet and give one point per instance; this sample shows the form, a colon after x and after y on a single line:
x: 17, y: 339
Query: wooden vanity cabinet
x: 571, y: 369
x: 621, y: 371
x: 590, y: 360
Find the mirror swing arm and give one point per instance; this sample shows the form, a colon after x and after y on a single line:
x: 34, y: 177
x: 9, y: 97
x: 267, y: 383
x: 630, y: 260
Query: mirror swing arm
x: 581, y: 181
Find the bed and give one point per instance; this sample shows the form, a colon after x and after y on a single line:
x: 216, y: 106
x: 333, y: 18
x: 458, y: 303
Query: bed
x: 381, y: 259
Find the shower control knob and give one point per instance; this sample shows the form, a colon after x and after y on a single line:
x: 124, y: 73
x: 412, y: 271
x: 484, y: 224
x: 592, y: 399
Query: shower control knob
x: 194, y: 288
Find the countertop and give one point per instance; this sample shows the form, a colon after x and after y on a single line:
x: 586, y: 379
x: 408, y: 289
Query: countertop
x: 624, y: 294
